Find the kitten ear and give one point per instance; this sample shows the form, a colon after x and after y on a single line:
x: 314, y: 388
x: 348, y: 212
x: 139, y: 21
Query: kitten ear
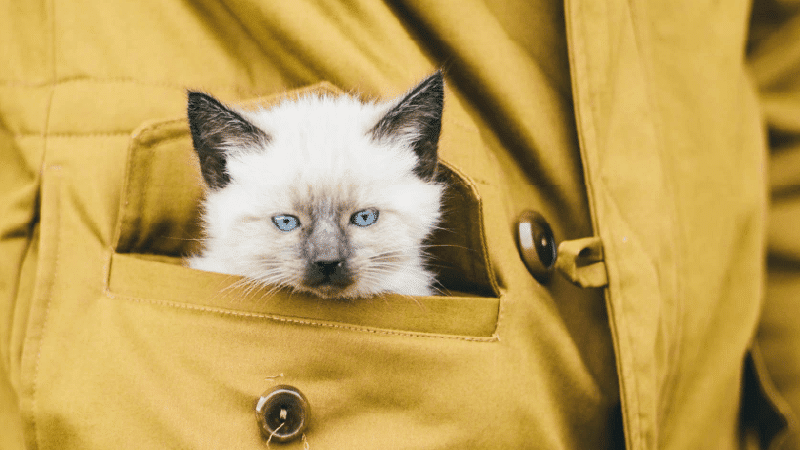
x: 215, y: 129
x: 417, y: 118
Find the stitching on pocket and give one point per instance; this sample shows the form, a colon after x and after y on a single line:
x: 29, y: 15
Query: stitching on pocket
x: 90, y: 134
x: 224, y: 312
x: 278, y: 318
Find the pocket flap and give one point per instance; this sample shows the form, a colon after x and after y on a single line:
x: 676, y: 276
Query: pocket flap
x: 186, y: 288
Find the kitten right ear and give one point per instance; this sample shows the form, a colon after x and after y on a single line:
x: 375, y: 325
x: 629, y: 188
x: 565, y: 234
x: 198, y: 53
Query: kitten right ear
x: 417, y: 118
x: 216, y: 128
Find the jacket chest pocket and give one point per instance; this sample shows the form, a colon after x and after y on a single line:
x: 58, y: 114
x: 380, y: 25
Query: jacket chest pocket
x: 158, y: 226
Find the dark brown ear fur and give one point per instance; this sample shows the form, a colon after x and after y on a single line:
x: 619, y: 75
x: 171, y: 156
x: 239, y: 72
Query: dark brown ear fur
x: 215, y: 126
x: 420, y: 114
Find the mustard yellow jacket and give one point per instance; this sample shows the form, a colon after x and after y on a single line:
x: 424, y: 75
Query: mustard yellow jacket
x: 657, y: 329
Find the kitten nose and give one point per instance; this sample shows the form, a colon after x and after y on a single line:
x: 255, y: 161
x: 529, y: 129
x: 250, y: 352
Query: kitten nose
x: 327, y: 268
x: 330, y: 273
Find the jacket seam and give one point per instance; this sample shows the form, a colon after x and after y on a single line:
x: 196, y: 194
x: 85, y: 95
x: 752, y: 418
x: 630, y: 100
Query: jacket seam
x: 55, y: 82
x: 46, y: 128
x: 647, y: 71
x: 49, y: 294
x: 598, y: 200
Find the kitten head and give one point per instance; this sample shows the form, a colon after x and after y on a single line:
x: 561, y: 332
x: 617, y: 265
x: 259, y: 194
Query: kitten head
x: 326, y: 195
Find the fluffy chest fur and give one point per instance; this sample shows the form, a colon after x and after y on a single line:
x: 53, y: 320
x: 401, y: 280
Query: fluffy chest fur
x: 329, y: 196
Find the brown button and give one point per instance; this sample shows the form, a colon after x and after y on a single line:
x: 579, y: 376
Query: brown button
x: 537, y: 246
x: 282, y: 414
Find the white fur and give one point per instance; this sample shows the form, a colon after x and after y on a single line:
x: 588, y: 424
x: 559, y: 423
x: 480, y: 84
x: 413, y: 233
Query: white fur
x: 320, y: 150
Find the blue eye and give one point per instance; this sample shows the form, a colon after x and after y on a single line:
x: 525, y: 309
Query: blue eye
x: 365, y: 217
x: 286, y: 222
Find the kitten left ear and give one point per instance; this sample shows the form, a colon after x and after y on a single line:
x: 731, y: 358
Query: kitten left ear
x: 417, y: 118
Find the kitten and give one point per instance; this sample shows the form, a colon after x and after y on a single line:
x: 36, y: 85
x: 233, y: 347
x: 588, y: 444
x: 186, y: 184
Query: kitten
x: 325, y: 195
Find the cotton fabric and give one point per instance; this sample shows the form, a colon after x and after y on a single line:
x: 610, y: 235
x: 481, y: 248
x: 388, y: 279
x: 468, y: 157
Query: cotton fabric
x: 667, y: 130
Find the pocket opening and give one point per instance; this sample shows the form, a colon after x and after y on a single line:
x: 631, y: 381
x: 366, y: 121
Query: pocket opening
x: 160, y: 208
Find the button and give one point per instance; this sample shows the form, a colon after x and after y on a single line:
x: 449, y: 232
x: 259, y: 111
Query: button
x: 282, y: 414
x: 537, y: 246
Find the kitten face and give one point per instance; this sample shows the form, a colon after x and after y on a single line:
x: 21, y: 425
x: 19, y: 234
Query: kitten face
x: 323, y: 195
